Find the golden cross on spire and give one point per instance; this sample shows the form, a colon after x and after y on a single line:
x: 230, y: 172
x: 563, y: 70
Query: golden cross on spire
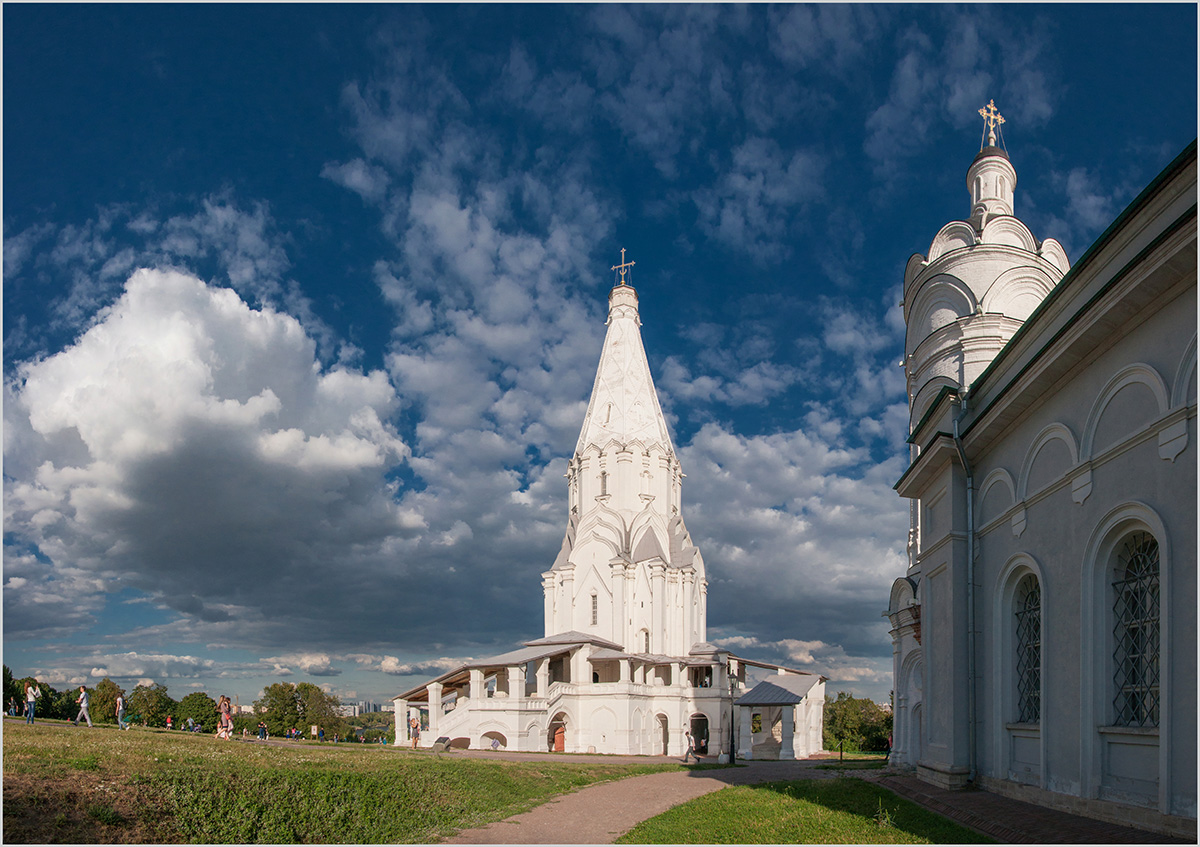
x: 991, y: 119
x: 624, y: 266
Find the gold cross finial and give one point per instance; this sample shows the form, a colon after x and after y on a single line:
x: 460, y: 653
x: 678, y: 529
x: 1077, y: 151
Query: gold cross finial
x: 991, y: 119
x: 624, y: 266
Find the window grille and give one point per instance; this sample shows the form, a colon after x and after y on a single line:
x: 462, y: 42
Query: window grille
x: 595, y: 610
x: 1028, y: 613
x: 1136, y: 633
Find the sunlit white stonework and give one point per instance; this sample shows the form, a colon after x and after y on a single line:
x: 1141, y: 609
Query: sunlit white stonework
x: 623, y: 666
x: 1044, y: 635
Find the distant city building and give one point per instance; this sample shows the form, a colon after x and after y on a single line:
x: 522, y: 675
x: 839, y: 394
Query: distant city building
x: 361, y: 707
x: 623, y: 666
x: 1044, y: 635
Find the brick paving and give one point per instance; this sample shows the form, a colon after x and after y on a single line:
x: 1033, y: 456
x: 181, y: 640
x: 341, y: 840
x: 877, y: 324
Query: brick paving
x: 1014, y: 821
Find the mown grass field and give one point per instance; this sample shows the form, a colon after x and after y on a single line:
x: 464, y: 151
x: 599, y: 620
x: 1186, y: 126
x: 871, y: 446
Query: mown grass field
x: 65, y: 784
x: 812, y: 811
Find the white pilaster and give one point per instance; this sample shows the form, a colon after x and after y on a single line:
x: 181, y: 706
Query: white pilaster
x: 787, y: 749
x: 745, y: 738
x: 434, y: 691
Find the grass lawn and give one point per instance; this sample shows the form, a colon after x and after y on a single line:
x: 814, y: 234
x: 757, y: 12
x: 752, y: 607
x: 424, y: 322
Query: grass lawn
x: 810, y: 811
x: 67, y: 784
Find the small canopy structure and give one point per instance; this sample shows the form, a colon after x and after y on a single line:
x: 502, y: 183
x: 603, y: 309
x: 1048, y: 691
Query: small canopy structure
x: 782, y: 690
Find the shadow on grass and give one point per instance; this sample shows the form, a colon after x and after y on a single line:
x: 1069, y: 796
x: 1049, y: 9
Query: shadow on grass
x: 822, y: 811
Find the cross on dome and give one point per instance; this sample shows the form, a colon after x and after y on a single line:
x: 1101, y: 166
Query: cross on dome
x: 623, y: 266
x: 991, y: 119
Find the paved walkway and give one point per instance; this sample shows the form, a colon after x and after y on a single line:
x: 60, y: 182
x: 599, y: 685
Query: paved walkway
x: 1013, y: 821
x: 599, y: 814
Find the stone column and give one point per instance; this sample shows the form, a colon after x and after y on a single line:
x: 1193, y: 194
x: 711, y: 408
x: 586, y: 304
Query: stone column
x: 477, y: 692
x: 543, y: 677
x: 618, y: 630
x: 401, y: 713
x: 516, y: 682
x: 787, y: 749
x: 548, y: 602
x: 565, y: 614
x: 688, y: 630
x: 625, y: 673
x: 745, y: 738
x: 658, y: 599
x: 434, y: 689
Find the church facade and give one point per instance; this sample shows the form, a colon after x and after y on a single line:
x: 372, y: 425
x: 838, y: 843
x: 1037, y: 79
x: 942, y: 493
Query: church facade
x: 1044, y: 635
x: 623, y: 665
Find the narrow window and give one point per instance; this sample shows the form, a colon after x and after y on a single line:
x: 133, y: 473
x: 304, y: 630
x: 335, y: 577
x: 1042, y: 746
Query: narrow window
x: 603, y: 483
x: 646, y: 638
x: 1028, y: 613
x: 1136, y: 632
x: 595, y: 610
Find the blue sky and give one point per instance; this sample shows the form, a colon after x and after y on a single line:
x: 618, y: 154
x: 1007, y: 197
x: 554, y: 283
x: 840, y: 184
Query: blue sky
x: 302, y: 306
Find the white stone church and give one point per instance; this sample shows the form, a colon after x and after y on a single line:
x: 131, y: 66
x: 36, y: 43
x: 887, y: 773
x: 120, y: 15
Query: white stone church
x: 1044, y: 635
x: 624, y: 666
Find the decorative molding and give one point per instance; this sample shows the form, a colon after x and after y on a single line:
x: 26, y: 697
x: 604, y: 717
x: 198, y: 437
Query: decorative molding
x: 1018, y: 521
x: 1135, y: 373
x: 1173, y: 438
x: 1081, y: 484
x: 1051, y: 432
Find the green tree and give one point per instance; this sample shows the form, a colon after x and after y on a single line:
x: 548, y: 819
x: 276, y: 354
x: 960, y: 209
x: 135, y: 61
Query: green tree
x: 12, y: 693
x: 279, y: 708
x: 151, y: 704
x: 317, y: 707
x: 856, y: 723
x: 200, y: 708
x: 58, y: 704
x: 103, y: 701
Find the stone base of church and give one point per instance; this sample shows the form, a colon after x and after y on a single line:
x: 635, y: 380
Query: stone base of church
x: 1101, y: 810
x: 947, y: 777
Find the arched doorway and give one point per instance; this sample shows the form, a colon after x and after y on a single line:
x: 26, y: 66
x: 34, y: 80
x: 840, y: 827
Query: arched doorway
x: 556, y: 734
x: 699, y: 730
x: 664, y: 737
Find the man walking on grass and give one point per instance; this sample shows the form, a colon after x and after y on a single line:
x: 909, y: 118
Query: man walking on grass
x: 121, y: 712
x: 82, y: 700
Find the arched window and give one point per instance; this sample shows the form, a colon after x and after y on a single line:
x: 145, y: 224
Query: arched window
x: 595, y: 609
x: 1027, y: 611
x: 603, y: 483
x: 1136, y: 632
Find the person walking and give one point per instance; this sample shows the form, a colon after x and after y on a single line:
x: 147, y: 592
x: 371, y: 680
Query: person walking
x: 82, y: 700
x: 121, y: 712
x: 32, y: 693
x: 691, y: 749
x: 415, y: 731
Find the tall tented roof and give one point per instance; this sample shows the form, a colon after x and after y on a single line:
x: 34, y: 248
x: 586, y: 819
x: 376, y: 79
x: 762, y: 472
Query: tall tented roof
x: 624, y: 405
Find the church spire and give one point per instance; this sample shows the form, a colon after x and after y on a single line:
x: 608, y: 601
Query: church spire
x: 624, y: 406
